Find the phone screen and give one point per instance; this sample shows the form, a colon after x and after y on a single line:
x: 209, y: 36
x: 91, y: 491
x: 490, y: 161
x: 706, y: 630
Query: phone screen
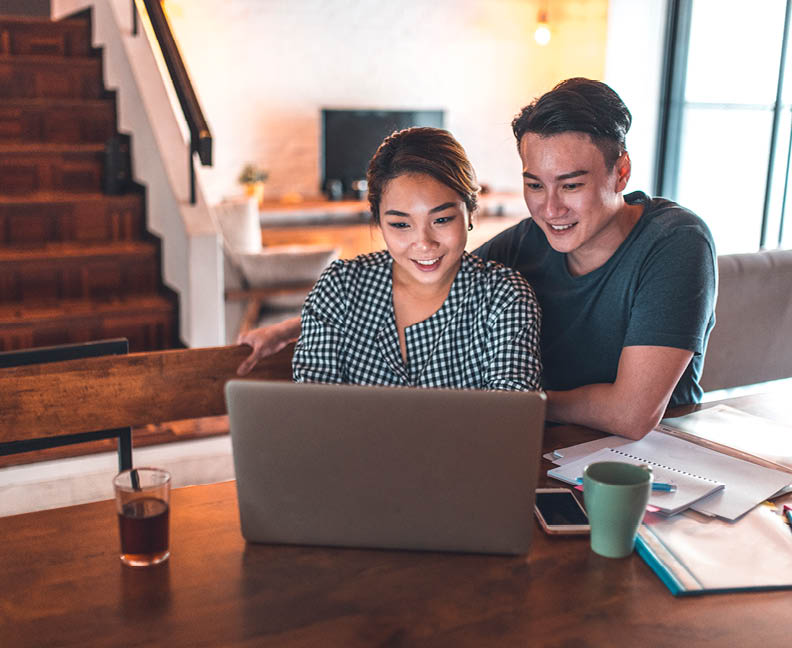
x: 560, y: 509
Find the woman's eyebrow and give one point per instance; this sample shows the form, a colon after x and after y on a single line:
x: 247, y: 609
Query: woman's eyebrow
x: 396, y: 212
x: 442, y: 207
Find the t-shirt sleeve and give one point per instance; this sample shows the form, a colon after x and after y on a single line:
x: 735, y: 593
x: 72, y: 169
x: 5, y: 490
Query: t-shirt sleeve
x: 514, y: 358
x: 317, y: 352
x: 675, y: 297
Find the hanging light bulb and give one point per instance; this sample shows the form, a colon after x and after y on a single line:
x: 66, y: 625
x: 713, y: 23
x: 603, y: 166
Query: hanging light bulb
x: 542, y: 34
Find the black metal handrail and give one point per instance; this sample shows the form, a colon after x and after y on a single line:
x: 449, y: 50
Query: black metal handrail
x: 200, y: 136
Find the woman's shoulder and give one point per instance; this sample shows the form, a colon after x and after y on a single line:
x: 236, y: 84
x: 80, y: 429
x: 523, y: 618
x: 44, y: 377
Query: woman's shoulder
x: 497, y: 278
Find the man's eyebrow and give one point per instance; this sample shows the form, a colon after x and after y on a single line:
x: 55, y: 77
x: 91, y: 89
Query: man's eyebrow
x: 563, y: 176
x: 395, y: 212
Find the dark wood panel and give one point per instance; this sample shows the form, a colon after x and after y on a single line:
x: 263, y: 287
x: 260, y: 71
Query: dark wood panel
x: 32, y: 36
x: 96, y: 218
x: 53, y: 121
x: 143, y: 388
x: 149, y: 322
x: 50, y: 77
x: 24, y: 171
x: 77, y: 271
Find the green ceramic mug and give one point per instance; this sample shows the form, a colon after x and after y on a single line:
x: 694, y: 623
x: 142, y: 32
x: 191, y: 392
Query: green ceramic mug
x: 616, y: 495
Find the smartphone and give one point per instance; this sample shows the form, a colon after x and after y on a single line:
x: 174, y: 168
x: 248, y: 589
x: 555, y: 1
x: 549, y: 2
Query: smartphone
x: 559, y: 512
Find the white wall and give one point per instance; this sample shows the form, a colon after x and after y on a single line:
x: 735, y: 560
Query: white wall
x: 264, y: 68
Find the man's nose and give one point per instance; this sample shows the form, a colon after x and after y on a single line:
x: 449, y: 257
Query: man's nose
x: 553, y: 206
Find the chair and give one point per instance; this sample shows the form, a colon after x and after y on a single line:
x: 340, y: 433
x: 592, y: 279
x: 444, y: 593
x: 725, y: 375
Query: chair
x: 279, y: 275
x: 751, y: 341
x: 44, y: 355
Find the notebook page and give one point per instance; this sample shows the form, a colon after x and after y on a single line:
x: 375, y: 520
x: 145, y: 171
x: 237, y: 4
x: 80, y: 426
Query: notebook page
x: 690, y: 487
x: 746, y: 484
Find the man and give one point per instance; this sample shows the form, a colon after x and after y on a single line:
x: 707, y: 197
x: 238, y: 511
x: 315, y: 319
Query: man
x: 626, y: 283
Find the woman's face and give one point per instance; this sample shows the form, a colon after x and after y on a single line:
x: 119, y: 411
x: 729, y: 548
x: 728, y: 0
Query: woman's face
x: 424, y: 224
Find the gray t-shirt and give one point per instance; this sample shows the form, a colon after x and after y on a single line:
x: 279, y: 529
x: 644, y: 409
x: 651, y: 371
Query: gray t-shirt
x: 657, y: 289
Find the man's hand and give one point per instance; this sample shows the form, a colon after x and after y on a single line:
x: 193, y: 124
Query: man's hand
x: 267, y: 341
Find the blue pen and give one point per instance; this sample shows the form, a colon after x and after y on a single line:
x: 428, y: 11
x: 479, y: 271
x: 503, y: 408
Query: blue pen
x: 656, y: 486
x: 788, y: 514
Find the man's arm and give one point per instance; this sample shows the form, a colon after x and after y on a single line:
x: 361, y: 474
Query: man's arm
x: 267, y: 341
x: 634, y: 403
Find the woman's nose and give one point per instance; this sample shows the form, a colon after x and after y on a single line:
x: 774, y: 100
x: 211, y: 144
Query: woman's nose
x: 425, y: 238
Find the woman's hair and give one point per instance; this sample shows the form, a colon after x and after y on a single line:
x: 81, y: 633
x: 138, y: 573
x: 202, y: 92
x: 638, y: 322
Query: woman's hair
x: 581, y: 106
x: 430, y: 151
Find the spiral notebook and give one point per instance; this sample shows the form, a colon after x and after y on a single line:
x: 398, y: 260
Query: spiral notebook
x: 690, y: 487
x: 745, y: 484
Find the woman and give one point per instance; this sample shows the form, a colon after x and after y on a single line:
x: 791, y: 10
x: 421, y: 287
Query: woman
x: 423, y: 312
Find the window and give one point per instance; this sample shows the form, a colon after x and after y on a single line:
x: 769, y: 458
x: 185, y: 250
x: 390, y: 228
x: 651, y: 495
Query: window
x: 725, y: 129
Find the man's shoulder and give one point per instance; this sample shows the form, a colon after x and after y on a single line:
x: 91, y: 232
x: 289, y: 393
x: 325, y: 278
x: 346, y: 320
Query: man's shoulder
x: 663, y: 217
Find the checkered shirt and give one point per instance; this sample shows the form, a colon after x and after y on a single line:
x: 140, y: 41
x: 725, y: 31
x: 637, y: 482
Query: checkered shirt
x: 484, y: 336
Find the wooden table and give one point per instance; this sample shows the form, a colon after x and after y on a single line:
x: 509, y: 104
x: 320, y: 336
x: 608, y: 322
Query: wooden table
x: 63, y: 585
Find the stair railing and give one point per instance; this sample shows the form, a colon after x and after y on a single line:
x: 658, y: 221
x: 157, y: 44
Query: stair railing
x: 200, y: 136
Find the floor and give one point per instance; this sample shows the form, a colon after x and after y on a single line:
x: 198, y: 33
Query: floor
x: 77, y: 480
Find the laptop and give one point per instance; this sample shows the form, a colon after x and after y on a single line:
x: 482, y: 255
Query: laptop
x: 386, y: 467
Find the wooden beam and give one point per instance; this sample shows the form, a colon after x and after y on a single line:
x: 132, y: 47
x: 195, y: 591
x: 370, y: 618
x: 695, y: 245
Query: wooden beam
x: 114, y: 391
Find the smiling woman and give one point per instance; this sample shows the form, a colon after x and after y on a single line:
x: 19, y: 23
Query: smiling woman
x: 424, y: 312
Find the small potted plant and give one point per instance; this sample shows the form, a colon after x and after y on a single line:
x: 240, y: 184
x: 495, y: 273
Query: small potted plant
x: 253, y: 178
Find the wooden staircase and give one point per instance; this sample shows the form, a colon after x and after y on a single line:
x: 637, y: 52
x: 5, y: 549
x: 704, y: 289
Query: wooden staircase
x: 75, y: 264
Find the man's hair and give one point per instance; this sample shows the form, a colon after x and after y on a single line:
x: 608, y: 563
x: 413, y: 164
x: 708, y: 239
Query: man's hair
x: 582, y: 106
x: 430, y: 151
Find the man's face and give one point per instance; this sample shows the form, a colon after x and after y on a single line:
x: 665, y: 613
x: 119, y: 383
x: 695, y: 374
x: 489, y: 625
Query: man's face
x: 574, y: 198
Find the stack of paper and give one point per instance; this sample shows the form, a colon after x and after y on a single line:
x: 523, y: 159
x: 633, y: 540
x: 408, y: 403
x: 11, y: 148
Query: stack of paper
x: 745, y: 484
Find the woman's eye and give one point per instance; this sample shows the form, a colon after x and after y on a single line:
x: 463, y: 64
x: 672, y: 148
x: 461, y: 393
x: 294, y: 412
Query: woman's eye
x: 398, y: 225
x: 444, y: 219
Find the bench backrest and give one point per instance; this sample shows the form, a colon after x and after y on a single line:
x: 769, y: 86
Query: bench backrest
x: 112, y: 391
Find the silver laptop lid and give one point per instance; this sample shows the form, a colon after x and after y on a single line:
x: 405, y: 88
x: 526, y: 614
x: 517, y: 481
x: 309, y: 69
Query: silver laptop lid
x: 403, y: 468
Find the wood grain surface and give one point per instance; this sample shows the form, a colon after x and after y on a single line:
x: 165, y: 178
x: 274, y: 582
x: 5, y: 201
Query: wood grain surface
x: 116, y: 391
x: 70, y: 589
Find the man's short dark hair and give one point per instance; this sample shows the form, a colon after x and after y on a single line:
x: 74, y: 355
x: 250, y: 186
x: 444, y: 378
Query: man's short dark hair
x: 582, y: 106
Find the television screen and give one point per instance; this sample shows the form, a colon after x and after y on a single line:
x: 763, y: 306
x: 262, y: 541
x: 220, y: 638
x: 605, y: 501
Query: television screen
x: 350, y: 138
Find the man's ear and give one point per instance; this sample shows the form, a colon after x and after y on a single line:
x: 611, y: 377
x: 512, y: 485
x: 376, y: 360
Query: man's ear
x: 623, y: 171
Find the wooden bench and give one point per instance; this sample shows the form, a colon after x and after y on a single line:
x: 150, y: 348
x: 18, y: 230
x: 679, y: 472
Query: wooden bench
x: 89, y: 394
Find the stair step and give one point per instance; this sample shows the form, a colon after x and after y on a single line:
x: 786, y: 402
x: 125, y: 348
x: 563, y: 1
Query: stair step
x: 29, y: 168
x: 50, y: 76
x: 48, y: 216
x: 55, y: 271
x: 29, y: 35
x: 57, y: 120
x: 149, y: 322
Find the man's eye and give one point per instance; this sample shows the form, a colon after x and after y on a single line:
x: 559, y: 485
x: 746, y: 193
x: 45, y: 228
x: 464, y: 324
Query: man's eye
x: 533, y: 186
x: 398, y: 225
x: 573, y: 185
x: 444, y: 219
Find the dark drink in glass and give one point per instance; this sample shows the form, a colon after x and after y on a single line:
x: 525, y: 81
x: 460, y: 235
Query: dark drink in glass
x: 143, y: 526
x: 143, y: 507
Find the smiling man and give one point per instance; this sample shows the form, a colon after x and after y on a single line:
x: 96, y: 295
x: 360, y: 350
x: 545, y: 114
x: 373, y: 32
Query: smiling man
x: 626, y: 283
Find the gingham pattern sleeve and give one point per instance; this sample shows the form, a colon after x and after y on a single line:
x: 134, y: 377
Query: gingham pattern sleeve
x: 317, y: 353
x: 515, y: 321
